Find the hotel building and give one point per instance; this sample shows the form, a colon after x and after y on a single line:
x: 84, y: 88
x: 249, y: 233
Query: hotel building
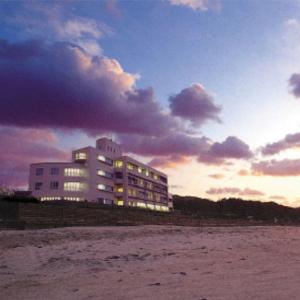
x: 103, y: 175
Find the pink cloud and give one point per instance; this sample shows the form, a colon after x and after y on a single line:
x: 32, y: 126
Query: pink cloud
x: 285, y: 167
x: 231, y: 148
x: 217, y: 176
x: 20, y: 147
x: 234, y: 191
x: 290, y: 141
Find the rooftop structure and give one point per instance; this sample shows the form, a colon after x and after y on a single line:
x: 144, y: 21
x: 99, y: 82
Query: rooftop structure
x: 101, y: 174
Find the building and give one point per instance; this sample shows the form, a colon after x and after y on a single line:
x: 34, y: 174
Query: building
x: 101, y: 174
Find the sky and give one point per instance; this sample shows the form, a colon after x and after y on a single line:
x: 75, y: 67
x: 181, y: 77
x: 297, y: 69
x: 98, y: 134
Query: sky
x: 207, y: 91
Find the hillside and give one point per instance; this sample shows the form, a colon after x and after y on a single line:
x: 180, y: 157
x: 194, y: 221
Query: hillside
x: 235, y: 208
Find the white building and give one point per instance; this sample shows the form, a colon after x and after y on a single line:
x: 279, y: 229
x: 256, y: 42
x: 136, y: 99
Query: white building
x: 102, y: 175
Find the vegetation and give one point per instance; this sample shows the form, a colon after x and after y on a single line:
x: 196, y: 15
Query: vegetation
x: 235, y: 208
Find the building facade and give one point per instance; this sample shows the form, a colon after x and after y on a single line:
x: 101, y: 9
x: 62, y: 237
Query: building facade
x: 101, y: 174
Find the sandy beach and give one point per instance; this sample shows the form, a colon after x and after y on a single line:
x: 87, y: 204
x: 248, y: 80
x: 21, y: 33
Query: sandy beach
x: 151, y: 262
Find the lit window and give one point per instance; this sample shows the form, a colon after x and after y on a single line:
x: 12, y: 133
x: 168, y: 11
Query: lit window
x: 140, y: 170
x: 147, y: 172
x: 73, y: 172
x: 54, y: 185
x: 119, y: 189
x: 141, y: 204
x: 120, y: 202
x: 38, y: 186
x: 54, y: 171
x: 39, y: 171
x: 105, y: 174
x: 74, y: 186
x: 155, y: 177
x: 104, y: 159
x: 103, y: 187
x: 151, y: 206
x: 130, y: 166
x: 80, y: 155
x: 118, y: 163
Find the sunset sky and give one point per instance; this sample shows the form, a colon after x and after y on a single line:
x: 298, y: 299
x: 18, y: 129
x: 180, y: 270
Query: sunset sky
x: 208, y: 91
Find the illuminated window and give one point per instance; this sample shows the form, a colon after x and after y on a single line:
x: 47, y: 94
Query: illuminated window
x: 54, y: 171
x: 104, y: 159
x: 146, y: 172
x: 54, y: 185
x: 105, y: 174
x: 74, y: 172
x: 119, y: 189
x: 141, y: 204
x: 80, y: 155
x: 103, y: 187
x: 118, y: 163
x: 120, y: 202
x: 155, y: 177
x: 140, y: 169
x: 39, y: 171
x: 130, y: 166
x: 74, y: 186
x: 151, y: 206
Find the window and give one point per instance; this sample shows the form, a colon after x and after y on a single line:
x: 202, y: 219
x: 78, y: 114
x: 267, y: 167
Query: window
x: 80, y: 155
x: 118, y: 163
x: 105, y: 174
x: 130, y: 166
x: 54, y: 185
x: 104, y: 159
x: 74, y: 186
x: 54, y: 171
x: 140, y: 169
x: 103, y: 187
x: 120, y: 202
x: 155, y: 177
x: 38, y: 186
x: 119, y: 175
x: 39, y: 171
x: 73, y: 172
x: 119, y: 189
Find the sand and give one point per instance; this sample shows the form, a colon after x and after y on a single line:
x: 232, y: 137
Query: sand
x: 151, y: 262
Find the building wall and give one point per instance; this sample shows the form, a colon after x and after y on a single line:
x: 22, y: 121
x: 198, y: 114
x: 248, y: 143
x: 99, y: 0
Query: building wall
x: 104, y: 176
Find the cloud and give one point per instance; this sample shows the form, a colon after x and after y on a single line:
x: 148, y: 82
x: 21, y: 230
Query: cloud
x: 234, y: 191
x: 217, y: 176
x: 169, y: 162
x: 173, y: 144
x: 231, y: 148
x: 20, y: 147
x: 276, y: 197
x: 243, y: 172
x: 194, y: 104
x: 59, y: 85
x: 294, y: 82
x: 285, y: 167
x: 198, y: 5
x: 290, y: 141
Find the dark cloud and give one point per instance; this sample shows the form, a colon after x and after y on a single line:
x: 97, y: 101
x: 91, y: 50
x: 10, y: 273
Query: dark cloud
x: 234, y: 191
x: 290, y: 141
x: 173, y: 144
x: 294, y: 82
x: 285, y: 167
x: 194, y: 104
x: 21, y: 147
x: 231, y: 148
x: 59, y: 85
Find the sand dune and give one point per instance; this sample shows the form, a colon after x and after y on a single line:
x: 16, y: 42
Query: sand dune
x: 151, y: 262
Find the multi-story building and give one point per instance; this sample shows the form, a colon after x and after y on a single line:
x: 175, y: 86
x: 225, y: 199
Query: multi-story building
x: 102, y: 175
